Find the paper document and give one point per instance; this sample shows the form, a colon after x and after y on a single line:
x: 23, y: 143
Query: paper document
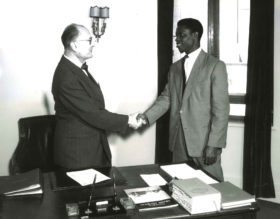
x: 184, y: 171
x: 181, y: 171
x: 153, y: 179
x: 204, y: 177
x: 85, y: 177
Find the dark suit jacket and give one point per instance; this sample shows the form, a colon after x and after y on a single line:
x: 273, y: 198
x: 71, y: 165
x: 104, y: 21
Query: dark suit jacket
x: 81, y: 119
x: 203, y: 109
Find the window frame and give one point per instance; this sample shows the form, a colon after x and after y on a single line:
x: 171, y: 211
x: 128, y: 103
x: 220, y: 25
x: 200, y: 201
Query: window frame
x: 213, y: 32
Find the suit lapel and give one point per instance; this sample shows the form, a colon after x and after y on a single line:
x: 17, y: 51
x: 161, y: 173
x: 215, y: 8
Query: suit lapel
x: 93, y: 80
x: 194, y: 74
x: 89, y: 84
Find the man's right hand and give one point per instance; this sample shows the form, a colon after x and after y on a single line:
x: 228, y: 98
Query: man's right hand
x: 143, y: 118
x: 133, y: 121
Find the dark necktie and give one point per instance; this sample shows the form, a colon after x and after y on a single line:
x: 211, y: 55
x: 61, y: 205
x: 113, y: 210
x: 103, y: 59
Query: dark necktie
x: 85, y: 67
x: 184, y: 73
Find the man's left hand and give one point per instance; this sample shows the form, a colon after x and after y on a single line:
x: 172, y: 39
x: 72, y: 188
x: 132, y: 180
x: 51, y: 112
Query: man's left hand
x: 210, y: 155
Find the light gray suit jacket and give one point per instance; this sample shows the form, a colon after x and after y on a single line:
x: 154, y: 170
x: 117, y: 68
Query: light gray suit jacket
x: 203, y: 109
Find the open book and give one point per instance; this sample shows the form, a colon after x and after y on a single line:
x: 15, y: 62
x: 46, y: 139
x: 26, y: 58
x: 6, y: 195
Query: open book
x: 28, y: 183
x: 150, y: 198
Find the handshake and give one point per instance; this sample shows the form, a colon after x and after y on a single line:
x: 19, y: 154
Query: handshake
x: 137, y: 120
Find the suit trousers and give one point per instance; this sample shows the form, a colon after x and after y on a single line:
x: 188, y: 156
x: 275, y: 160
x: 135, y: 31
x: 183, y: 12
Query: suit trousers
x: 180, y: 154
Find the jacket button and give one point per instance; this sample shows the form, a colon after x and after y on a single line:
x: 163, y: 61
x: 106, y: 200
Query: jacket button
x: 181, y: 111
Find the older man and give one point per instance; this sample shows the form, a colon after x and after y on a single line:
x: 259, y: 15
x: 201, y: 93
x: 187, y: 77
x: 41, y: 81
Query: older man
x: 81, y: 118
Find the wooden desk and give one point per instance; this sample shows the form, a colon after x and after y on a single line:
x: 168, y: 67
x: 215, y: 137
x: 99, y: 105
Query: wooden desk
x: 52, y: 204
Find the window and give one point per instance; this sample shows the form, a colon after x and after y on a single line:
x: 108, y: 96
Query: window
x: 234, y: 35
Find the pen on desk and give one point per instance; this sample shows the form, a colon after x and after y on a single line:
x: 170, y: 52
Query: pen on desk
x: 170, y: 187
x: 92, y: 189
x: 115, y: 205
x: 114, y: 186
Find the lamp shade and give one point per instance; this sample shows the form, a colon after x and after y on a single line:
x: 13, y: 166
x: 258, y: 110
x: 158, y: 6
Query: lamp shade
x: 104, y: 12
x: 95, y: 11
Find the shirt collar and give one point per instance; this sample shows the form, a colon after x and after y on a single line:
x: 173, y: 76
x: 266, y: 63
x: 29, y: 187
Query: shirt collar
x: 74, y: 61
x: 193, y: 55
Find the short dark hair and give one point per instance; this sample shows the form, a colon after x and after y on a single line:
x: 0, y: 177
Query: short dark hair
x: 69, y: 34
x: 192, y: 24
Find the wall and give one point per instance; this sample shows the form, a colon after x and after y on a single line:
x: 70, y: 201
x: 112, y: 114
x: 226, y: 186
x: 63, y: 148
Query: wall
x: 275, y: 140
x: 124, y: 63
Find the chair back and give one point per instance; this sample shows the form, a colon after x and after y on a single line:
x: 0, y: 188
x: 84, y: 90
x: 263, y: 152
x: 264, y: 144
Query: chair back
x: 35, y: 145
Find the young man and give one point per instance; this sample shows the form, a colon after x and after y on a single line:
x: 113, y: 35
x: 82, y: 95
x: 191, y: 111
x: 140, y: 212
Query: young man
x: 197, y: 95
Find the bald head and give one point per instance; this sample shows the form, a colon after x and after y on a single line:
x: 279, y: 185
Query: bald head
x: 77, y: 42
x: 70, y: 34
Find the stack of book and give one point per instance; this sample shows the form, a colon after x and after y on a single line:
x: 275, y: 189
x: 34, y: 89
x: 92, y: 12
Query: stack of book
x: 196, y: 196
x: 28, y: 183
x: 150, y: 198
x: 232, y: 196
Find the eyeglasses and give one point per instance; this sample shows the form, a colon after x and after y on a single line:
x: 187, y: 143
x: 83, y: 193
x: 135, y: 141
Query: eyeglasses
x: 88, y: 40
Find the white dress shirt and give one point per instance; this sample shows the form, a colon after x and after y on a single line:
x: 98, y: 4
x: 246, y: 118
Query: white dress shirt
x: 189, y: 62
x: 76, y: 62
